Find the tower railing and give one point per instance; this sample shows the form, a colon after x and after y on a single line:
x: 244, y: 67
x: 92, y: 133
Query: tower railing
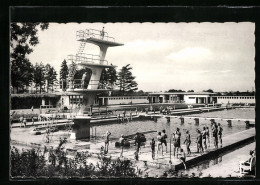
x: 79, y: 84
x: 86, y: 58
x: 92, y: 33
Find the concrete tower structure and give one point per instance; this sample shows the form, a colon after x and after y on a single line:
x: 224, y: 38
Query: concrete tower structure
x: 96, y: 63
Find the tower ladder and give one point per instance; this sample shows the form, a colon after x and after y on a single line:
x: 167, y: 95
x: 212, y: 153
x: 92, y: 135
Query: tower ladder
x: 81, y: 47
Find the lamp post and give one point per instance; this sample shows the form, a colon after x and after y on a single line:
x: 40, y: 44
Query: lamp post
x: 170, y: 149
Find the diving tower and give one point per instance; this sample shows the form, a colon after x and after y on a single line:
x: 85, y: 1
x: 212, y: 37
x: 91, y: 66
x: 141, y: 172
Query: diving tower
x: 97, y: 37
x: 96, y: 63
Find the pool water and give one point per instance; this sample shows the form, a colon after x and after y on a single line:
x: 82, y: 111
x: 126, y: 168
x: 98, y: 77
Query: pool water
x: 128, y: 128
x: 228, y: 163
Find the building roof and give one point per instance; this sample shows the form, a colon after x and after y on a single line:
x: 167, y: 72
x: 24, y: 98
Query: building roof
x: 45, y: 95
x: 182, y: 93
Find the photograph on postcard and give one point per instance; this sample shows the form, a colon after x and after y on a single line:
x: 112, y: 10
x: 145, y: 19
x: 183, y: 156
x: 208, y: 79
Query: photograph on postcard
x: 95, y: 100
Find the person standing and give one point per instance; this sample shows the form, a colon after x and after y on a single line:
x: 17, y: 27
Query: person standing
x: 83, y: 80
x: 21, y: 121
x: 102, y: 33
x: 215, y: 134
x: 204, y: 137
x: 122, y: 143
x: 177, y: 141
x: 220, y: 130
x: 188, y: 142
x: 208, y: 138
x: 182, y: 156
x: 32, y: 121
x: 24, y: 122
x: 159, y: 143
x: 199, y: 142
x: 107, y: 139
x: 131, y: 115
x: 153, y: 148
x: 137, y: 142
x: 164, y: 137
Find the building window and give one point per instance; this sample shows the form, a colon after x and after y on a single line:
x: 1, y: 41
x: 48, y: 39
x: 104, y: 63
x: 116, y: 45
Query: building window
x: 76, y: 99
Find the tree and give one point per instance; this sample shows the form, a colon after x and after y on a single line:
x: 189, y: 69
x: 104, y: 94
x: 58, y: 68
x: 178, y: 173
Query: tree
x: 38, y: 76
x: 23, y: 38
x: 209, y: 90
x: 64, y: 70
x: 175, y: 90
x: 21, y: 73
x: 112, y: 76
x: 190, y: 90
x: 50, y: 76
x: 108, y: 76
x: 127, y: 84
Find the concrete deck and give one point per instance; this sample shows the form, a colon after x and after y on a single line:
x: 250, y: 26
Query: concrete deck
x: 162, y: 161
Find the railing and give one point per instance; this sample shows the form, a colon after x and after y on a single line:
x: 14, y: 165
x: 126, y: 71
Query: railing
x: 92, y: 33
x: 86, y: 58
x: 80, y: 84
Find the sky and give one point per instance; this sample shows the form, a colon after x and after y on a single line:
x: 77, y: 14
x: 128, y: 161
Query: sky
x: 187, y: 56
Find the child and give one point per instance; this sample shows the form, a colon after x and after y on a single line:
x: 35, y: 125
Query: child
x: 182, y: 157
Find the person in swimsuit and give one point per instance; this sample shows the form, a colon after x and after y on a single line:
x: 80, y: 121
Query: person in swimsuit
x: 21, y: 121
x: 204, y: 137
x: 138, y: 141
x: 164, y: 137
x: 102, y: 33
x: 208, y: 138
x: 122, y: 142
x: 24, y: 122
x: 159, y: 142
x: 83, y: 80
x: 199, y: 142
x: 107, y: 139
x: 215, y: 134
x: 220, y: 129
x: 153, y: 148
x: 177, y: 141
x: 188, y: 142
x: 182, y: 157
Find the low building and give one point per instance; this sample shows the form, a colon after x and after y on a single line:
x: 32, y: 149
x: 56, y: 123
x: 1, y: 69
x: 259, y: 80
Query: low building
x: 235, y: 99
x: 122, y: 100
x: 182, y: 97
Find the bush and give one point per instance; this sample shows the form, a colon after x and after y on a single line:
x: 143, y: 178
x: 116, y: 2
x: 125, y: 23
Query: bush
x: 51, y: 162
x: 115, y: 168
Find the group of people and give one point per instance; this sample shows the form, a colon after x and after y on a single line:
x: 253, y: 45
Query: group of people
x: 138, y: 139
x: 123, y: 117
x: 202, y: 140
x: 23, y: 122
x: 217, y: 134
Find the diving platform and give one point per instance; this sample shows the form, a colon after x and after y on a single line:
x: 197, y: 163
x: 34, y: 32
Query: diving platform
x: 97, y: 37
x: 88, y: 87
x: 89, y: 60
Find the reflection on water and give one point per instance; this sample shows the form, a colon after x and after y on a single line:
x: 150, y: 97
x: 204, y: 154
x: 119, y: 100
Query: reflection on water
x: 225, y: 165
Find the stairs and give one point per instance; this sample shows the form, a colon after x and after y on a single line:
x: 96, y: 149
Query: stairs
x: 81, y: 47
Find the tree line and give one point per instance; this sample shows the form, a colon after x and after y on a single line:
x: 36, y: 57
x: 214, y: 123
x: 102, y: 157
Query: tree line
x: 124, y: 79
x: 24, y: 36
x: 23, y: 73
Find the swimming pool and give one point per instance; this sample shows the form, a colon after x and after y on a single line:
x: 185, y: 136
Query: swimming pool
x: 128, y: 128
